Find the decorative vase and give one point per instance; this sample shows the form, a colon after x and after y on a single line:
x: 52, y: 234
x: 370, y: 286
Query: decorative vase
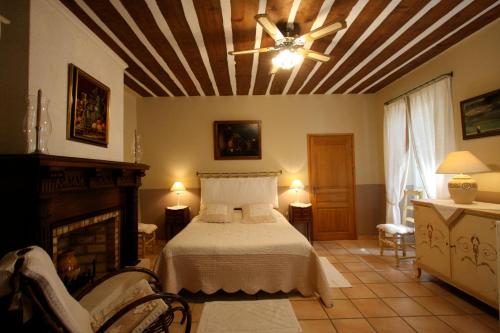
x: 137, y: 148
x: 30, y: 125
x: 68, y: 266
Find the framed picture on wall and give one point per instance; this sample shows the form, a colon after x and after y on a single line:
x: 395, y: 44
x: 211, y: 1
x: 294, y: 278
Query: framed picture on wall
x: 237, y: 140
x: 481, y: 115
x: 88, y: 108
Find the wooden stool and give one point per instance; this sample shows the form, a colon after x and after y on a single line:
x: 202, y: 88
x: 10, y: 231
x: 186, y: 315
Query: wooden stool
x: 147, y: 236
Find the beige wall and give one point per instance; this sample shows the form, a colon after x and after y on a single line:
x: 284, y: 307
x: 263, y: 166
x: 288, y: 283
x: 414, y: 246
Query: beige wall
x: 178, y: 141
x: 129, y: 123
x: 57, y: 38
x: 475, y: 63
x: 178, y: 134
x: 14, y: 45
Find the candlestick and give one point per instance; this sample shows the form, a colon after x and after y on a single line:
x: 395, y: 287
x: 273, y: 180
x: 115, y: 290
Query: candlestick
x: 38, y: 119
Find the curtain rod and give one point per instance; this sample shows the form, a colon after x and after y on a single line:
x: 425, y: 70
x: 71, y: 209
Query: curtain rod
x: 239, y: 174
x: 450, y: 74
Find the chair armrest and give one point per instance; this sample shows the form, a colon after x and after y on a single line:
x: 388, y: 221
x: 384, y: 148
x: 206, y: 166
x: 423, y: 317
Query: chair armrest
x: 92, y: 286
x: 165, y: 319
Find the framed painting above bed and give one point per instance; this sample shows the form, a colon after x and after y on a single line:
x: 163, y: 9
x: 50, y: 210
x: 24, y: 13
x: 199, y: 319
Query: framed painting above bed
x: 237, y: 140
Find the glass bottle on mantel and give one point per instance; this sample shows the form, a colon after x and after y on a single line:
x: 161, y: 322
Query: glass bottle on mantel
x: 137, y: 148
x: 30, y: 123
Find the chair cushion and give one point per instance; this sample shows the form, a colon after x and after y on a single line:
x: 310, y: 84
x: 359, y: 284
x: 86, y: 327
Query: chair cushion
x: 136, y: 320
x: 399, y: 229
x: 39, y: 267
x: 147, y: 228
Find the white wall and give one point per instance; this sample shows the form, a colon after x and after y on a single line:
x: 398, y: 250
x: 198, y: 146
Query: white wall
x: 58, y: 38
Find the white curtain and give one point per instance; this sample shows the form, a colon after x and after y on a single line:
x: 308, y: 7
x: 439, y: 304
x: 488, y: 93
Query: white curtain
x: 432, y: 133
x: 396, y: 153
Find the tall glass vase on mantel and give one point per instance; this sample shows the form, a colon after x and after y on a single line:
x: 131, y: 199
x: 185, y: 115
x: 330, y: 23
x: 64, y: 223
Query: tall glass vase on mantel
x: 31, y: 122
x: 137, y: 148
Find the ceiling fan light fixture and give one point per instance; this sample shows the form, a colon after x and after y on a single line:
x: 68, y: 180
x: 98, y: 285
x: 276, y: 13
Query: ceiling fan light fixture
x: 287, y: 59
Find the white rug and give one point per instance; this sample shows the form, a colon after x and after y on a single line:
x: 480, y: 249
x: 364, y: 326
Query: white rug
x: 335, y: 278
x: 262, y: 316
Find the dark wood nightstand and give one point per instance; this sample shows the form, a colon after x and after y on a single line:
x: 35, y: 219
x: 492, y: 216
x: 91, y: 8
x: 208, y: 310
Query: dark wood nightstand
x: 176, y: 218
x: 299, y: 213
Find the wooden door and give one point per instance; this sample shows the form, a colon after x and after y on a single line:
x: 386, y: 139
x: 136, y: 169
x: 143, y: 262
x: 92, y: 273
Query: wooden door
x: 331, y: 180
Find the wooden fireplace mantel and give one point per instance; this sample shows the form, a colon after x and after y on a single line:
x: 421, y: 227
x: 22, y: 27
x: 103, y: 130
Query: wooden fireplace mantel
x: 41, y: 192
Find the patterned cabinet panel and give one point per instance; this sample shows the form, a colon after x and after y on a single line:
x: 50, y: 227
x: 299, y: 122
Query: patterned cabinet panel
x: 474, y: 255
x: 432, y: 238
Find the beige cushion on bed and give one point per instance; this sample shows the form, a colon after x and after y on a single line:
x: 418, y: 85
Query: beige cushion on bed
x: 216, y: 213
x: 258, y: 213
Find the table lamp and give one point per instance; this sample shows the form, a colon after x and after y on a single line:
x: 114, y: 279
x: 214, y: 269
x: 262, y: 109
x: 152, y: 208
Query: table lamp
x: 462, y: 187
x: 178, y: 188
x: 297, y: 186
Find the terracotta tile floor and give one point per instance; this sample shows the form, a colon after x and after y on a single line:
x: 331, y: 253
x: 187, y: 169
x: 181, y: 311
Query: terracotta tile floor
x: 383, y: 298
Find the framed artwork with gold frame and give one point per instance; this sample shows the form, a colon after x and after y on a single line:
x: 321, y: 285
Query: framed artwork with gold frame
x: 88, y: 108
x: 237, y: 140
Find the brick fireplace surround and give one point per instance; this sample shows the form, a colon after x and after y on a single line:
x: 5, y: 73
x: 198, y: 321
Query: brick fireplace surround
x: 54, y: 201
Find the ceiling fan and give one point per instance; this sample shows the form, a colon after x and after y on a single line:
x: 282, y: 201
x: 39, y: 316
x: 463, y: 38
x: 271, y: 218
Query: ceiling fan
x: 291, y: 49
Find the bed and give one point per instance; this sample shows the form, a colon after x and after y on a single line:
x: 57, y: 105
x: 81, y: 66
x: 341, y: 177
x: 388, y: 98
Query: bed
x: 242, y: 256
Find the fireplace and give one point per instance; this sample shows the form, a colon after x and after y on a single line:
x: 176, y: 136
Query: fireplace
x: 95, y: 242
x: 64, y: 202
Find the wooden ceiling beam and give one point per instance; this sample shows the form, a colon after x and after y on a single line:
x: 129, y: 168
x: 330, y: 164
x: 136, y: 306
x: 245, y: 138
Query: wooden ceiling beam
x: 353, y: 33
x: 142, y: 16
x: 176, y: 19
x: 209, y: 14
x: 113, y: 20
x: 244, y: 26
x: 397, y: 18
x: 133, y: 68
x: 135, y: 87
x: 469, y: 29
x: 408, y: 36
x: 460, y: 18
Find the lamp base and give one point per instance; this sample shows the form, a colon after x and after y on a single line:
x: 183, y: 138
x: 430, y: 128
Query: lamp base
x: 463, y: 189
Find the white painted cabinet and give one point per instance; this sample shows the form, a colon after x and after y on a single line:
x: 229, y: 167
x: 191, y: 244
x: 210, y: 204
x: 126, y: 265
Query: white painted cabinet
x: 457, y: 243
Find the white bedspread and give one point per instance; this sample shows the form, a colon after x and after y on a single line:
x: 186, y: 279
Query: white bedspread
x: 237, y: 256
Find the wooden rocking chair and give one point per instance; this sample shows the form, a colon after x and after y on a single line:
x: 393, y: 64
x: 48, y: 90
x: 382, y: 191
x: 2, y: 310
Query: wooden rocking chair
x: 35, y: 287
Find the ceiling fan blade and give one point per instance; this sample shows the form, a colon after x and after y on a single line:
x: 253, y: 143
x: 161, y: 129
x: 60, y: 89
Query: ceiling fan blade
x: 324, y: 31
x: 268, y: 26
x: 313, y: 55
x: 261, y: 50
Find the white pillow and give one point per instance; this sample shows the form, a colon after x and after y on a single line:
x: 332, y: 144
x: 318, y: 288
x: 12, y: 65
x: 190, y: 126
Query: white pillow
x: 216, y: 213
x: 258, y: 213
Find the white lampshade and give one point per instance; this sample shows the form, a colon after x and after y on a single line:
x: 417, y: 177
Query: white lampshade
x: 461, y: 162
x: 297, y: 185
x: 178, y: 187
x: 462, y: 187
